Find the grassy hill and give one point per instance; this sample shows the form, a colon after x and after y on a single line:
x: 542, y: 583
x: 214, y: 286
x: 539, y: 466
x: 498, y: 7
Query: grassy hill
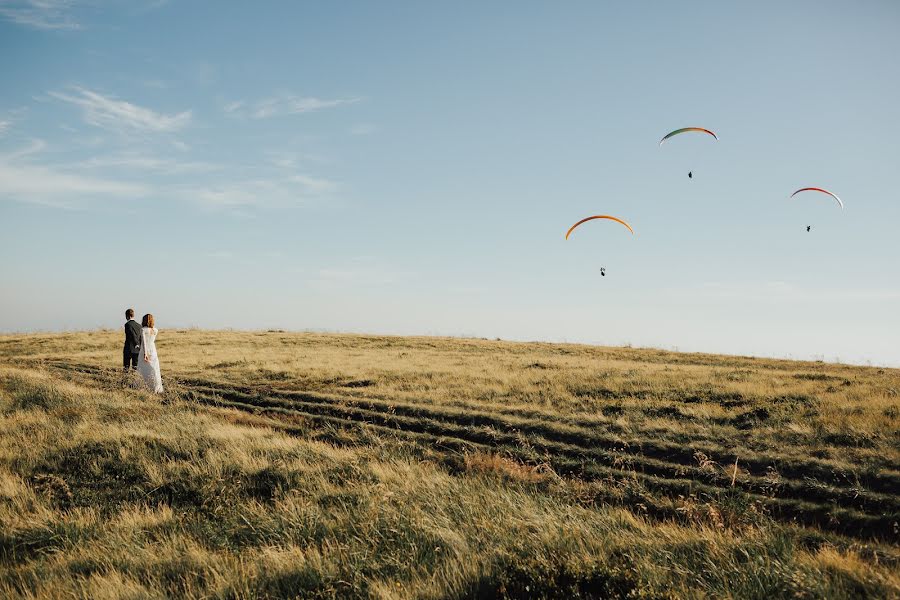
x: 320, y: 466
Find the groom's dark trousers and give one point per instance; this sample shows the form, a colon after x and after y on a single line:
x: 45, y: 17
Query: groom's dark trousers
x: 130, y: 359
x: 132, y: 349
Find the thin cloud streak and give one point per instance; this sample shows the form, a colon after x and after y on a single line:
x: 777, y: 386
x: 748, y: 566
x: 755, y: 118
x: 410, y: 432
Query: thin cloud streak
x: 45, y: 185
x: 39, y: 14
x: 148, y: 163
x: 233, y: 107
x: 121, y: 116
x: 286, y: 104
x: 57, y: 14
x: 314, y: 185
x: 25, y: 177
x: 290, y: 191
x: 34, y: 146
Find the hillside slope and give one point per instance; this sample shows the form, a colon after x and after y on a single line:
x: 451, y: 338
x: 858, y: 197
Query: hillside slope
x: 309, y: 465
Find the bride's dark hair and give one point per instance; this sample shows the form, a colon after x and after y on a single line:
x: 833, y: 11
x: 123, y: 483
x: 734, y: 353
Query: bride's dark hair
x: 147, y: 321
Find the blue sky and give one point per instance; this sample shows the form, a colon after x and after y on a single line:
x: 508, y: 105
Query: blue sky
x: 411, y: 168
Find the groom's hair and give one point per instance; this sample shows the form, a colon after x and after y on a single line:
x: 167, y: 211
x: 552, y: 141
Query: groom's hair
x: 129, y: 314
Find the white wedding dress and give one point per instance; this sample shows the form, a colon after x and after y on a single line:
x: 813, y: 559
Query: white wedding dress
x: 149, y: 370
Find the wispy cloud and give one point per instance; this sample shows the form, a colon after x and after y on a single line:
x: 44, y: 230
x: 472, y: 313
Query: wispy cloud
x: 8, y: 118
x: 60, y: 14
x: 46, y: 185
x: 34, y: 146
x: 40, y: 14
x: 291, y: 161
x: 23, y: 179
x: 227, y: 195
x: 313, y: 185
x: 233, y: 107
x: 119, y: 115
x: 147, y: 163
x: 289, y: 191
x: 154, y: 4
x: 285, y: 104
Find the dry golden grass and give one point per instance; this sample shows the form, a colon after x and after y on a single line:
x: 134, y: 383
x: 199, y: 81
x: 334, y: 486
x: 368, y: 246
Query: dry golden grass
x: 312, y: 465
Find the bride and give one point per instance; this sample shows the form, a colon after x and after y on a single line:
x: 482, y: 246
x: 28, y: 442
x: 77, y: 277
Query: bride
x: 148, y: 366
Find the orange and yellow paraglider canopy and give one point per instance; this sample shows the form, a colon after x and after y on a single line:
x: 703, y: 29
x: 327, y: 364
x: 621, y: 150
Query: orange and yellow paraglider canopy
x: 616, y: 219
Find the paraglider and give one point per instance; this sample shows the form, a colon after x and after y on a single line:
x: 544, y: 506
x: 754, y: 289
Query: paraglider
x: 684, y: 130
x: 602, y: 272
x: 808, y: 227
x: 815, y: 189
x: 616, y: 219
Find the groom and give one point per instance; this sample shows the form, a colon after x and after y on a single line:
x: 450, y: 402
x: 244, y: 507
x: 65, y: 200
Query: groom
x: 132, y: 349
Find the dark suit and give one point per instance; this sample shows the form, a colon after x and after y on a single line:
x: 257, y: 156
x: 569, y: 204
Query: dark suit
x: 132, y: 349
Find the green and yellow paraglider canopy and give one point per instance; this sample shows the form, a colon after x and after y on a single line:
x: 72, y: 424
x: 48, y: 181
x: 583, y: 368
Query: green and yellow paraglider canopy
x: 685, y: 130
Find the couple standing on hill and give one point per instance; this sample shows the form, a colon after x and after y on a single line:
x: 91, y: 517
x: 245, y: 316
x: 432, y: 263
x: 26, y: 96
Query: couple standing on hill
x: 140, y: 350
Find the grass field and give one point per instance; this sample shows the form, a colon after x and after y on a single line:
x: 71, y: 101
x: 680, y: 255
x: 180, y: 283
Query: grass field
x: 318, y: 466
